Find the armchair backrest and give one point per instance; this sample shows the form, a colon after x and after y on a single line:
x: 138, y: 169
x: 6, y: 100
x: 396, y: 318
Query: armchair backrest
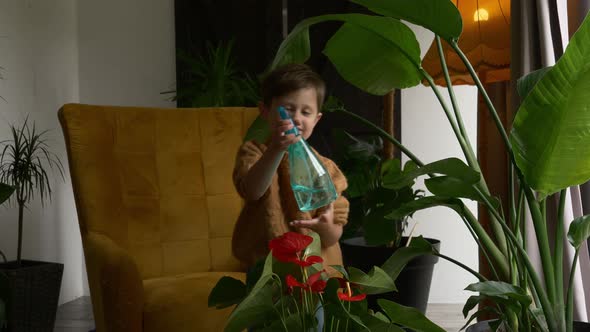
x: 158, y: 182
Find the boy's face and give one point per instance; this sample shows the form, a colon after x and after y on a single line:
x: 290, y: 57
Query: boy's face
x: 302, y: 106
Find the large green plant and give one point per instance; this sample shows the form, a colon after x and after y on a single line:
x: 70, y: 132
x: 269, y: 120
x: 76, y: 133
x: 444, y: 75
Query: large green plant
x: 378, y: 53
x: 24, y: 164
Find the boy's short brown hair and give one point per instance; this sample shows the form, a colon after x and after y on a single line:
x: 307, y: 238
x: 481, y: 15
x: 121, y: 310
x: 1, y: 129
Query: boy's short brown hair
x: 292, y: 77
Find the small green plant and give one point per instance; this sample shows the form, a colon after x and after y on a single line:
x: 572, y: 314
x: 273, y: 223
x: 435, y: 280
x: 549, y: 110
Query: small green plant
x: 370, y: 201
x: 23, y: 166
x: 214, y: 80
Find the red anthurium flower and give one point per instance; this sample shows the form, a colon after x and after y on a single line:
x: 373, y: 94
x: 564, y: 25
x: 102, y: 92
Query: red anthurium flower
x: 343, y: 283
x: 315, y: 283
x: 292, y: 282
x: 288, y: 246
x: 353, y: 298
x: 309, y: 261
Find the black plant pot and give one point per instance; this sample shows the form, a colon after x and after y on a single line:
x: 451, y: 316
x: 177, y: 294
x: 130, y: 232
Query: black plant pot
x: 413, y: 283
x: 484, y: 327
x: 31, y: 292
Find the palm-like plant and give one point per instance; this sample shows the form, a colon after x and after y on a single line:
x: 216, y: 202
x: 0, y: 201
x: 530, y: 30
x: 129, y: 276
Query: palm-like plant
x: 214, y: 80
x: 23, y: 166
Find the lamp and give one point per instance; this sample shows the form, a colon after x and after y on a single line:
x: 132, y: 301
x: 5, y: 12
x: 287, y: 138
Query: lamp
x: 485, y: 40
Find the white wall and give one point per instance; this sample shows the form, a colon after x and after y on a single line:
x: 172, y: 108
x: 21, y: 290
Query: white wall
x: 60, y: 51
x: 38, y: 52
x: 427, y: 133
x: 127, y: 51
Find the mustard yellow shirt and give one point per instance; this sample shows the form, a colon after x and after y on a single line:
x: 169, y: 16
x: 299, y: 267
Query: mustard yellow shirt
x: 268, y: 217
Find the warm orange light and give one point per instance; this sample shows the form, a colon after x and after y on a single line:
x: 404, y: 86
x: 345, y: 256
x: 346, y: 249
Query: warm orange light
x: 481, y: 15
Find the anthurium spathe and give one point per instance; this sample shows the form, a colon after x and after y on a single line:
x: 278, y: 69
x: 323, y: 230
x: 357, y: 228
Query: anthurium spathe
x: 288, y: 248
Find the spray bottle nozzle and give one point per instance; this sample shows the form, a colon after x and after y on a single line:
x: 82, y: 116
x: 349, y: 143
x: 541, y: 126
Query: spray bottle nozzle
x: 285, y: 116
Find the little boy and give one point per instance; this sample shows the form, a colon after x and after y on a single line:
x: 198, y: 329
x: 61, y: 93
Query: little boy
x: 261, y: 173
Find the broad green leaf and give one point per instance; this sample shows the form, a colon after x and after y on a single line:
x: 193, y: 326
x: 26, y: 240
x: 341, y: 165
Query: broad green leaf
x: 292, y: 322
x: 258, y: 131
x: 439, y: 16
x: 314, y: 249
x: 228, y: 291
x: 425, y: 203
x: 525, y: 84
x: 452, y: 187
x: 379, y: 230
x: 256, y: 308
x: 341, y: 269
x: 579, y: 231
x: 452, y: 167
x: 266, y: 275
x: 402, y: 256
x: 500, y: 288
x: 376, y: 282
x: 375, y: 66
x: 5, y: 192
x: 471, y: 302
x: 372, y: 36
x: 379, y: 203
x: 408, y: 317
x: 380, y: 323
x: 551, y: 131
x: 487, y: 311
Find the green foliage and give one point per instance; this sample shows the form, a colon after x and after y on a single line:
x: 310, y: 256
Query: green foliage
x: 268, y: 306
x: 24, y: 164
x: 5, y: 192
x: 371, y: 201
x: 214, y: 80
x: 549, y: 148
x: 557, y: 107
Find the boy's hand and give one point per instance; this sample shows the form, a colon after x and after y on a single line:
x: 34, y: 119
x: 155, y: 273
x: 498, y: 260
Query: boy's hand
x: 323, y: 225
x: 280, y: 141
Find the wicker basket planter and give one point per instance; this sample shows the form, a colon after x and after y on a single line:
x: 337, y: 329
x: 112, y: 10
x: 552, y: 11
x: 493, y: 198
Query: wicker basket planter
x: 32, y: 293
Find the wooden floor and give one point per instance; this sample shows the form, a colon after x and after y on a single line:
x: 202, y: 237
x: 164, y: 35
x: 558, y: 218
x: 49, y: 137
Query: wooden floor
x: 76, y: 316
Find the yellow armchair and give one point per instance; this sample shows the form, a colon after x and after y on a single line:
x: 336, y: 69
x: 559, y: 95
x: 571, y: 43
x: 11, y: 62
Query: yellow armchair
x: 156, y: 208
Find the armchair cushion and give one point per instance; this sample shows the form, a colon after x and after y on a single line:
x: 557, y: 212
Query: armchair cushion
x: 179, y: 303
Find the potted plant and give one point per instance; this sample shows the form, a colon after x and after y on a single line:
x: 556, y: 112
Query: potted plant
x: 212, y: 79
x: 29, y: 289
x: 289, y: 291
x: 370, y: 238
x: 386, y: 55
x: 5, y: 192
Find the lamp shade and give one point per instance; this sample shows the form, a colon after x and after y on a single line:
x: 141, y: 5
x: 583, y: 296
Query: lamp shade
x: 485, y: 40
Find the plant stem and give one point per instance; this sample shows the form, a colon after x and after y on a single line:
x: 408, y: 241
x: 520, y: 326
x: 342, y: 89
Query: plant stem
x: 385, y: 135
x: 3, y: 257
x: 558, y: 257
x: 21, y: 205
x: 570, y: 294
x: 483, y: 92
x: 468, y: 154
x: 487, y: 242
x: 544, y: 299
x: 470, y: 157
x: 465, y: 267
x: 538, y: 220
x: 543, y: 242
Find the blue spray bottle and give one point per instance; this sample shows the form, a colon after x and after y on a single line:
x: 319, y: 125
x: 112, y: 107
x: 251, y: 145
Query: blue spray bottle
x: 311, y: 183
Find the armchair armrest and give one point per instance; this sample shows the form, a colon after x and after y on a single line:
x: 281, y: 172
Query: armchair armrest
x: 115, y: 284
